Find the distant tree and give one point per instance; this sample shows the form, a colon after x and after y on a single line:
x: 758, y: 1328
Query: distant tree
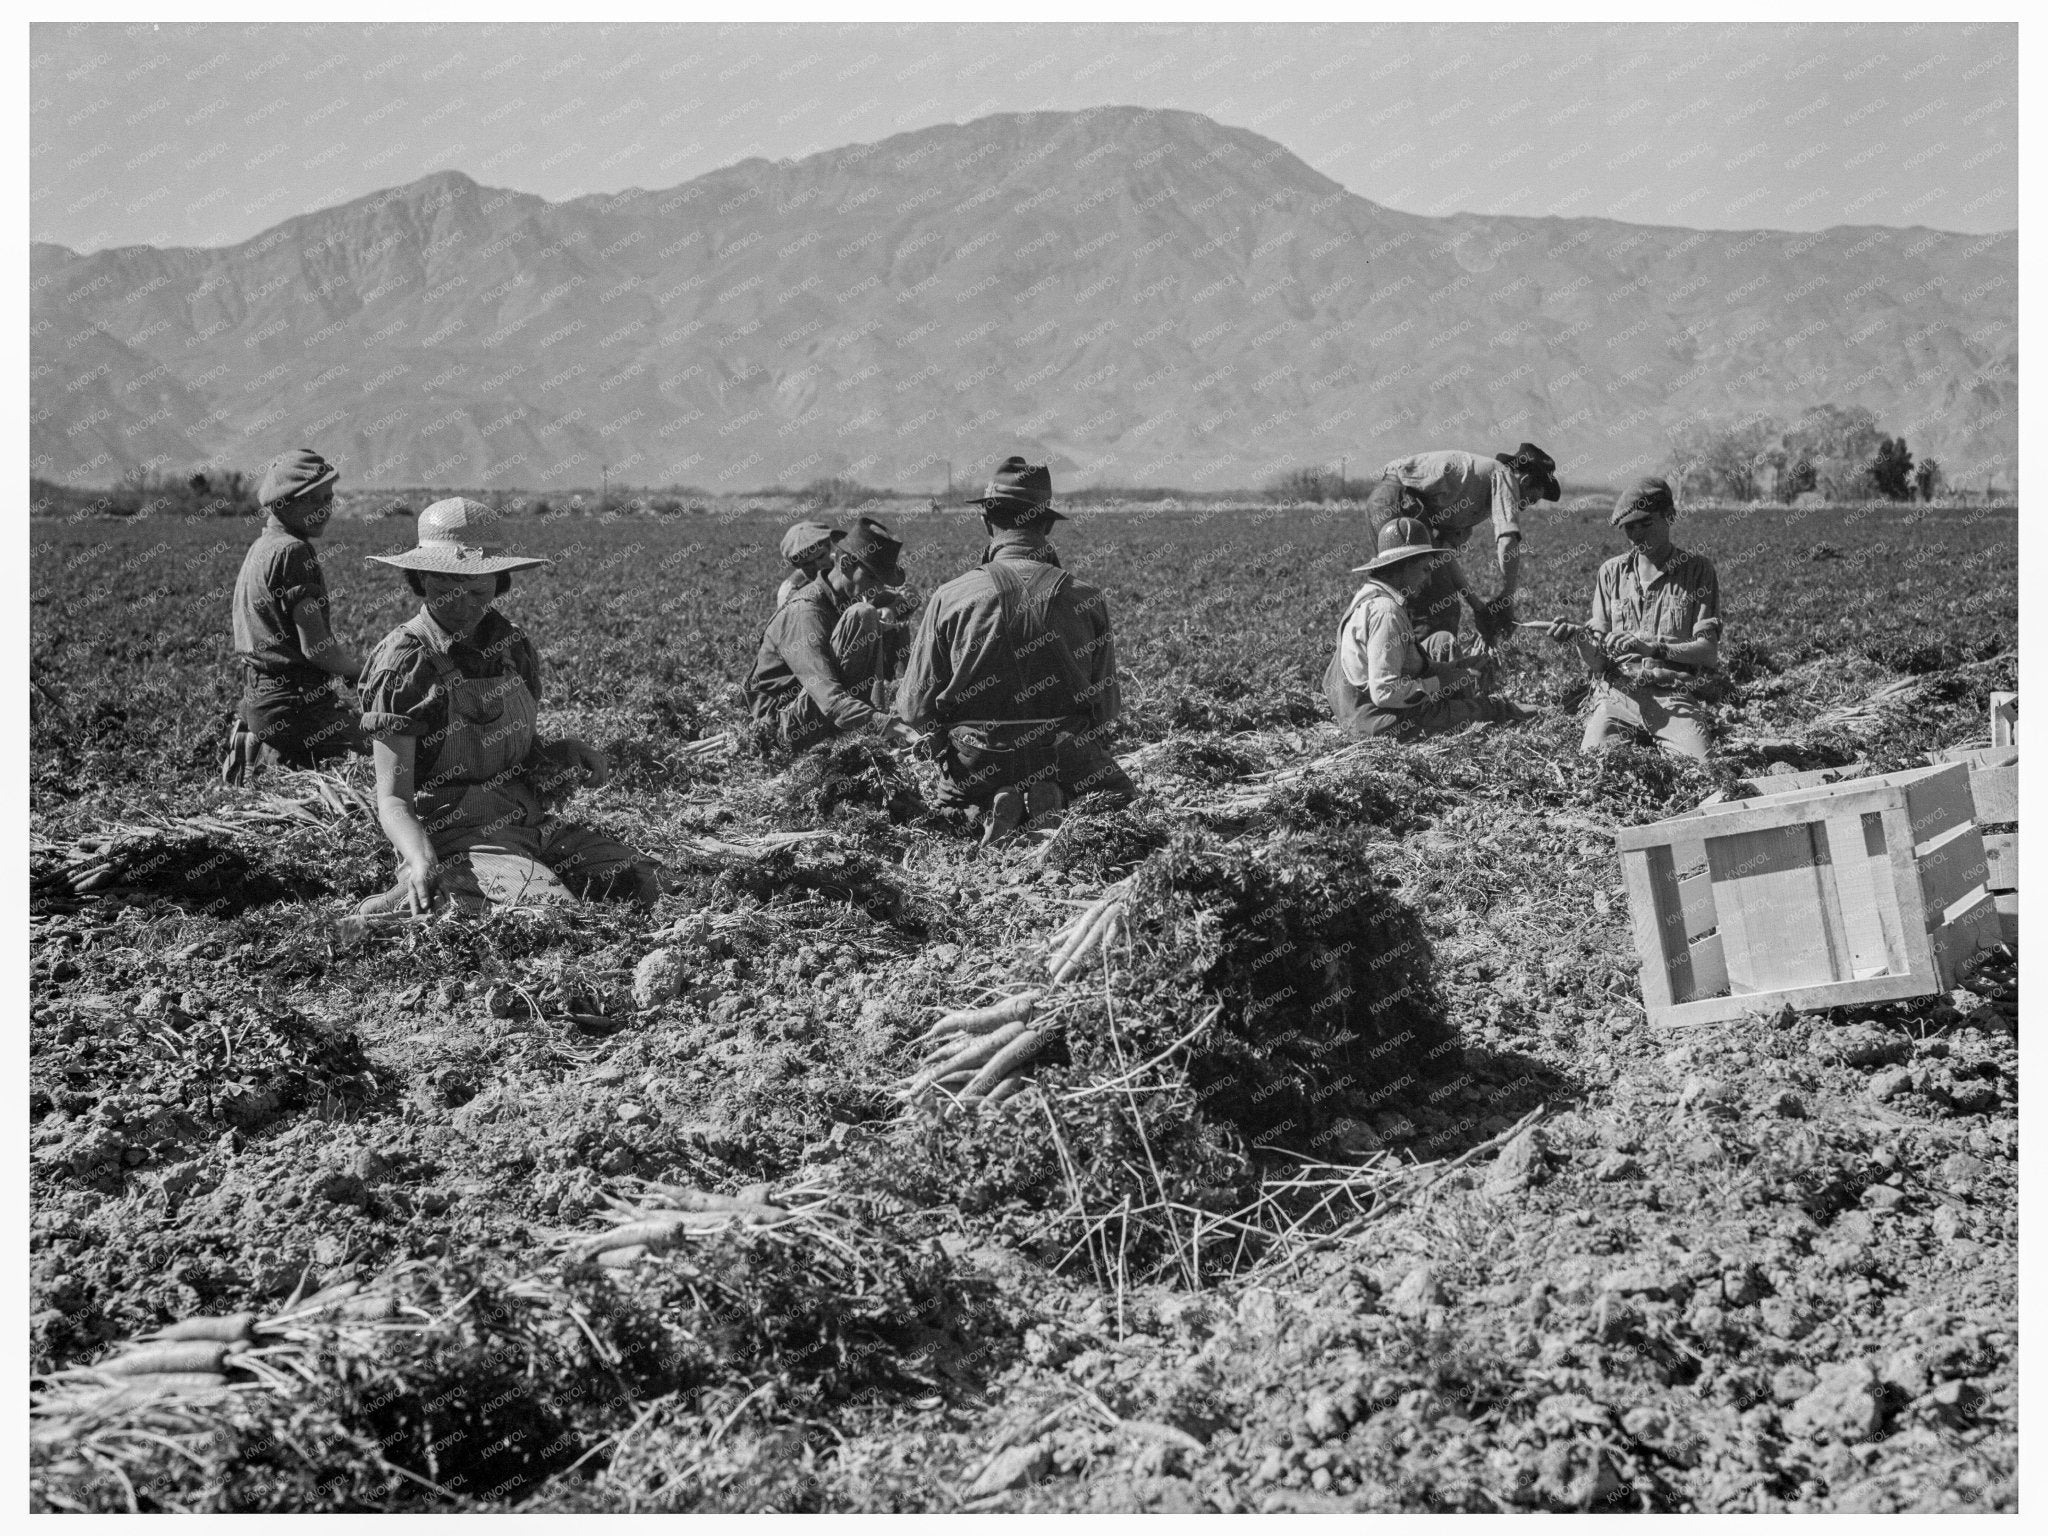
x: 1728, y: 461
x: 1310, y: 483
x: 837, y: 491
x: 1891, y: 469
x: 1837, y: 443
x: 1928, y: 478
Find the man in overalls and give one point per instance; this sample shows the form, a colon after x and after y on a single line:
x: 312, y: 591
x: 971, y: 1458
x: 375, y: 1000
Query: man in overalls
x: 283, y: 632
x: 1014, y: 667
x: 1383, y: 680
x: 451, y: 700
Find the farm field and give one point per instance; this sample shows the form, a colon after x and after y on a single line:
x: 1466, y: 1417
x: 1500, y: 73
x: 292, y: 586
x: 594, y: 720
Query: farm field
x: 1522, y: 1252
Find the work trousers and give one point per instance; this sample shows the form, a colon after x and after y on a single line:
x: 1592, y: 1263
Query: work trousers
x: 1676, y: 722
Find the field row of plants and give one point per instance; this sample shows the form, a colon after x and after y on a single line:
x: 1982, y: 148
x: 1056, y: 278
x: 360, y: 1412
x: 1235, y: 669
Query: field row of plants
x: 1350, y: 1177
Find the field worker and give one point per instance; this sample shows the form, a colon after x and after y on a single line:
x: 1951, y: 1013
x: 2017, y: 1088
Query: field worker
x: 450, y: 700
x: 290, y: 713
x: 1453, y: 492
x: 808, y: 547
x: 1014, y: 666
x: 827, y: 647
x: 1382, y: 681
x: 1653, y: 637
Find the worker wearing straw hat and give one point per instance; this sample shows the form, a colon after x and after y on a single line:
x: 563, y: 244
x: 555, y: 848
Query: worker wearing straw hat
x: 290, y: 713
x: 1382, y: 681
x: 451, y: 700
x: 1014, y: 665
x: 825, y: 656
x: 1453, y: 492
x: 1653, y: 637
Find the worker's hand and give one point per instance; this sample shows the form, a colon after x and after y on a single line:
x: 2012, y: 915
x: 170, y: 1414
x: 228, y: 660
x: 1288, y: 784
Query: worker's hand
x: 897, y: 734
x: 418, y: 878
x: 597, y: 768
x: 1619, y: 645
x: 1562, y: 630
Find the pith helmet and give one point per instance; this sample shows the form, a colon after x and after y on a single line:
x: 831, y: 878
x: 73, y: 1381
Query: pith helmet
x: 1403, y: 538
x: 460, y: 537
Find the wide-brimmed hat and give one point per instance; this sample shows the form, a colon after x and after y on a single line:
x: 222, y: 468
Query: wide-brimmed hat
x: 1403, y: 538
x: 876, y: 548
x: 1650, y: 494
x: 295, y: 474
x: 1021, y: 490
x: 1534, y: 462
x: 460, y: 537
x: 803, y: 540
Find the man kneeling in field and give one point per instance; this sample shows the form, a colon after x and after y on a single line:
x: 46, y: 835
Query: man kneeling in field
x: 828, y: 647
x: 1653, y: 639
x: 1015, y: 665
x: 1381, y: 682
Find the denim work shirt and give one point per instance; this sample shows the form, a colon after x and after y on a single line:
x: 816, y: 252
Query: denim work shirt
x: 965, y: 665
x: 1459, y: 491
x: 1380, y: 657
x: 403, y: 694
x: 280, y: 571
x: 1678, y: 603
x: 796, y: 657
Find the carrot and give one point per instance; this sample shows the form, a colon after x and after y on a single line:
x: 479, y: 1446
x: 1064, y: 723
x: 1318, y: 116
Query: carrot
x: 369, y: 1309
x: 1005, y: 1061
x: 233, y: 1328
x: 979, y: 1021
x: 974, y: 1052
x: 172, y: 1381
x: 177, y: 1355
x: 329, y: 1297
x: 1078, y: 934
x: 1008, y: 1088
x: 619, y: 1258
x: 1076, y: 955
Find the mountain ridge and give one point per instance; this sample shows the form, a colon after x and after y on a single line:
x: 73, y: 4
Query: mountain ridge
x: 1181, y: 294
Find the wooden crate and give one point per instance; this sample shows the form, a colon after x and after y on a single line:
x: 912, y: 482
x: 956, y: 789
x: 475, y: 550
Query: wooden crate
x: 1858, y: 892
x: 2005, y: 719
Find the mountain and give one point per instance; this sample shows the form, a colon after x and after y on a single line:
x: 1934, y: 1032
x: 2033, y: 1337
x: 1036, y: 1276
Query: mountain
x: 1134, y: 296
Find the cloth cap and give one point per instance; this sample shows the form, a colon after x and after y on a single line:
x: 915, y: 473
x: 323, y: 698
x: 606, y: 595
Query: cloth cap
x: 295, y: 474
x: 876, y: 548
x: 459, y: 537
x: 1403, y: 538
x: 1021, y: 490
x: 1534, y: 462
x: 1650, y: 494
x: 805, y: 538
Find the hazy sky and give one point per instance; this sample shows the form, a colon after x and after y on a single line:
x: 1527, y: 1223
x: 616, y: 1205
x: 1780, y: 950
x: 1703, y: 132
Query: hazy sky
x: 187, y: 134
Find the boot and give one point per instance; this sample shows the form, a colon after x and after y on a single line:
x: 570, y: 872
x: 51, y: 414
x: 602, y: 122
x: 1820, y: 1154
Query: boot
x: 1005, y: 814
x: 1043, y: 799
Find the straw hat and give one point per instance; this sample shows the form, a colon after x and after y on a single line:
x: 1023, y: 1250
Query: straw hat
x: 459, y: 537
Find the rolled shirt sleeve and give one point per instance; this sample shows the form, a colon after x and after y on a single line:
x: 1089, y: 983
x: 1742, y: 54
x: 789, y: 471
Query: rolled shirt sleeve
x: 1706, y: 624
x: 1507, y: 503
x: 399, y: 696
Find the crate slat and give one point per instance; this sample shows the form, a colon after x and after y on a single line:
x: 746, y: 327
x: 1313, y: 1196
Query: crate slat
x: 1950, y: 868
x: 2002, y: 861
x: 2005, y: 719
x: 1996, y: 792
x: 1641, y: 873
x: 1938, y: 800
x: 1709, y: 967
x: 1869, y: 914
x: 1832, y: 994
x: 1957, y: 941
